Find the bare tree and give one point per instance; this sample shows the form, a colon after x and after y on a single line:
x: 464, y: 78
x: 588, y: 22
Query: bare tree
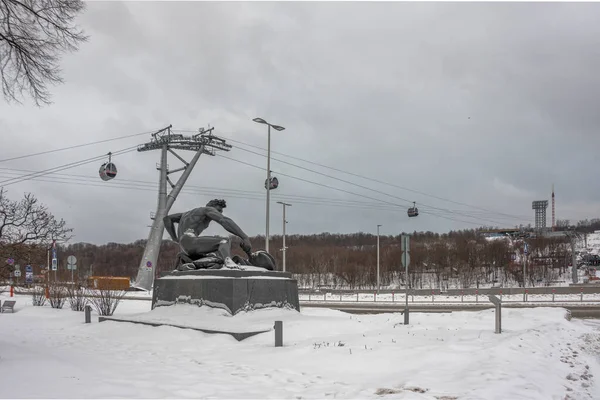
x: 24, y: 224
x: 33, y: 36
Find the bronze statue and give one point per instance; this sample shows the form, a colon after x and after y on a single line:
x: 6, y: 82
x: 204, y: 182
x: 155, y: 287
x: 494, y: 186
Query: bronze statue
x: 211, y: 251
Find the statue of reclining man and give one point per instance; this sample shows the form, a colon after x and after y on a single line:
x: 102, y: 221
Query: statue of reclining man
x: 211, y: 251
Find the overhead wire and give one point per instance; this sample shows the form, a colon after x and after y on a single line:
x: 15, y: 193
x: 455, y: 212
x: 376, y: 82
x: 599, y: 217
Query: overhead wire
x: 370, y: 189
x: 341, y: 190
x: 62, y: 167
x: 151, y: 188
x: 67, y: 178
x: 38, y: 174
x: 75, y: 146
x: 517, y: 217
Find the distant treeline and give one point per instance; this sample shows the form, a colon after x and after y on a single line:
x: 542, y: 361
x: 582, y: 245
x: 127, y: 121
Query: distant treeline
x: 349, y: 260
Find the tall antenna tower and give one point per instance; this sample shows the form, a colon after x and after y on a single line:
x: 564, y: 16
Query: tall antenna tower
x: 166, y: 141
x: 553, y: 211
x: 540, y: 207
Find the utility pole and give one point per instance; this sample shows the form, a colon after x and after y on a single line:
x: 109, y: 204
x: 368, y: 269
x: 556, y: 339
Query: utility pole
x: 525, y: 252
x: 283, y: 249
x: 378, y: 286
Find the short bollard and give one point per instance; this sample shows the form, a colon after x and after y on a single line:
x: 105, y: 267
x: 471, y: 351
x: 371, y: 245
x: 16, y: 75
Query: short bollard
x: 278, y: 333
x: 406, y: 316
x: 88, y: 314
x: 498, y: 303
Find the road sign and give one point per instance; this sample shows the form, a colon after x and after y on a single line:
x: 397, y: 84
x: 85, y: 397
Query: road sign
x: 10, y: 261
x: 54, y: 264
x: 17, y: 273
x: 71, y: 260
x: 405, y: 259
x: 29, y: 277
x: 28, y: 268
x: 17, y: 267
x: 405, y: 243
x: 526, y: 249
x: 71, y: 266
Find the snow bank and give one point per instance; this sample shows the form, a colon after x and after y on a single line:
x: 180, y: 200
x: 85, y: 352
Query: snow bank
x: 49, y: 353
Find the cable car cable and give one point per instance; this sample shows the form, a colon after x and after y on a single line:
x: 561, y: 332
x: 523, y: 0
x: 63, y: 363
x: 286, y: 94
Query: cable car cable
x: 75, y: 146
x: 62, y: 167
x: 217, y: 190
x: 371, y: 189
x: 371, y: 179
x: 342, y: 190
x: 380, y: 192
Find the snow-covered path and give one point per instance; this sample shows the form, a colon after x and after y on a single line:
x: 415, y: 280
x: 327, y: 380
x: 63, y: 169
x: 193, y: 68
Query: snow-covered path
x: 47, y: 353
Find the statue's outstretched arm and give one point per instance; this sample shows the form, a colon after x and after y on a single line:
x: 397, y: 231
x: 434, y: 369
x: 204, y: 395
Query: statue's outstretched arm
x: 226, y: 223
x: 170, y: 221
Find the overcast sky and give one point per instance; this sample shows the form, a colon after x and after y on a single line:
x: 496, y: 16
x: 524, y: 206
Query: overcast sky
x: 486, y: 104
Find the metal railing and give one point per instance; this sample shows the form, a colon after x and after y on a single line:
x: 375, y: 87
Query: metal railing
x: 433, y: 298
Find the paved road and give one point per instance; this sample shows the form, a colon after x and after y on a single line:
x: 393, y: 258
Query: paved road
x: 577, y: 310
x: 586, y: 289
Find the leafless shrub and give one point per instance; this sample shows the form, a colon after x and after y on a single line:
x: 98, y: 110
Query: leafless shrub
x: 76, y: 295
x: 38, y: 297
x: 58, y: 295
x: 106, y: 301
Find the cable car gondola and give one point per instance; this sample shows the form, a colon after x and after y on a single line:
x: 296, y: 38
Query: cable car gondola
x: 274, y: 183
x: 413, y: 211
x: 108, y: 170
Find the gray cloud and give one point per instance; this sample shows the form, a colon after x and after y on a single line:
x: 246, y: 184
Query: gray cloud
x: 486, y: 104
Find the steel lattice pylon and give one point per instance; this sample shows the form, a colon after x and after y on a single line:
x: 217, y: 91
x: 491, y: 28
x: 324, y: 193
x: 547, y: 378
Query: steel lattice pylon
x: 204, y: 142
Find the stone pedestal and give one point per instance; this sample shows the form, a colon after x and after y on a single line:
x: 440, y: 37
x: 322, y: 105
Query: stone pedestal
x: 231, y: 290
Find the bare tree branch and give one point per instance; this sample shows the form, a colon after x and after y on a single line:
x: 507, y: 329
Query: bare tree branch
x: 33, y: 36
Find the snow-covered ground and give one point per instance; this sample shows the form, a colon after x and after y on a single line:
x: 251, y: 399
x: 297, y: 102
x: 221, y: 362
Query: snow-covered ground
x: 593, y: 243
x: 47, y: 353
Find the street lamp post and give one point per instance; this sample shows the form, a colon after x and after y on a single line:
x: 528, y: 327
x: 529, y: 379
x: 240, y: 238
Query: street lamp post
x: 378, y: 287
x: 283, y: 249
x: 277, y: 128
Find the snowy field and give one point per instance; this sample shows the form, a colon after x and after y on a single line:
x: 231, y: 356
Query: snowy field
x: 48, y: 353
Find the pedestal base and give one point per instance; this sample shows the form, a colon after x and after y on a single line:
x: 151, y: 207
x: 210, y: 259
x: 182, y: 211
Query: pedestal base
x: 230, y: 290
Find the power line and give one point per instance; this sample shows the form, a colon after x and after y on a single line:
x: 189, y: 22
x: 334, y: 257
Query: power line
x: 75, y: 146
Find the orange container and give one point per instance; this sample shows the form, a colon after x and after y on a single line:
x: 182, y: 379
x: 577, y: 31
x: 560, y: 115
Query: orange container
x: 108, y: 282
